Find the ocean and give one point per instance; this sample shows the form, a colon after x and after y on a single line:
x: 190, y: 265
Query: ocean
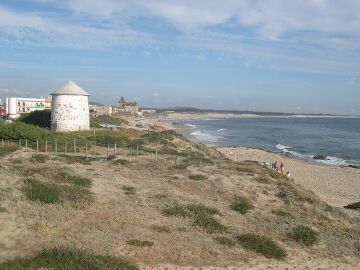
x: 336, y: 138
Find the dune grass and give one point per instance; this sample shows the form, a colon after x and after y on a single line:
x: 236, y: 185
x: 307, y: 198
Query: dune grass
x: 5, y: 150
x: 225, y: 241
x: 40, y: 158
x: 305, y: 235
x: 62, y: 258
x: 129, y: 190
x: 138, y: 243
x: 262, y: 245
x: 161, y: 228
x: 242, y: 205
x: 202, y: 216
x: 197, y: 177
x: 52, y: 193
x: 353, y: 206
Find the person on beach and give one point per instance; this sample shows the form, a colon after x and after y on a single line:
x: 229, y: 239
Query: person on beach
x: 282, y: 166
x: 275, y: 166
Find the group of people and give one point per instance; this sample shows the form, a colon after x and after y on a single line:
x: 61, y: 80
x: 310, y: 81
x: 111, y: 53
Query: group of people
x: 280, y: 167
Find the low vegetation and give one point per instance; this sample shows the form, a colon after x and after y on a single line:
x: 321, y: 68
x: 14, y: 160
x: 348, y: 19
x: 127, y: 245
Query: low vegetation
x: 197, y: 177
x: 40, y: 158
x: 353, y: 206
x: 160, y: 228
x: 262, y: 245
x: 283, y: 214
x: 226, y: 241
x: 202, y: 216
x: 129, y: 190
x: 62, y: 258
x: 74, y: 190
x: 242, y: 205
x: 305, y: 235
x: 5, y: 150
x: 120, y: 162
x: 138, y: 243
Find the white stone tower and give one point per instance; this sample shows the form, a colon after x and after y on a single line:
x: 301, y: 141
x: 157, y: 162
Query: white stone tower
x: 70, y: 108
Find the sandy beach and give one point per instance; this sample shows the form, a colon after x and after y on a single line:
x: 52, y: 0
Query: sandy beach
x: 338, y: 186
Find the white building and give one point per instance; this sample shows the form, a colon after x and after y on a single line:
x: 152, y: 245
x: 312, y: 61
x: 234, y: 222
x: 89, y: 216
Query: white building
x: 16, y: 106
x: 70, y: 108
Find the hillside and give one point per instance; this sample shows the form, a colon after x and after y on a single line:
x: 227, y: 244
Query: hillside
x: 190, y: 207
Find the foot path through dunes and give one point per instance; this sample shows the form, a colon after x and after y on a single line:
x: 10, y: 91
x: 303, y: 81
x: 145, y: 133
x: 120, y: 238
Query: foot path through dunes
x: 338, y: 186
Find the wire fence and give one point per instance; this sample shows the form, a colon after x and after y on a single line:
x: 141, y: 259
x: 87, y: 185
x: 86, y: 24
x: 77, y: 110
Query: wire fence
x: 78, y: 148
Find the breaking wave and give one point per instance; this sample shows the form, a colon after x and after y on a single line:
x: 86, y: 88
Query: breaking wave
x: 204, y: 136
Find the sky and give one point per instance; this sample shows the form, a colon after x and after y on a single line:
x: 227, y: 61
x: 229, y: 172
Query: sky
x: 299, y: 56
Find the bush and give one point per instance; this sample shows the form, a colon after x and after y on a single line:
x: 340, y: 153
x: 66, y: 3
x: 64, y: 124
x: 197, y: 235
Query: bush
x: 353, y: 206
x: 5, y: 150
x: 121, y: 162
x: 242, y: 205
x: 197, y: 177
x: 226, y: 241
x: 262, y: 245
x: 129, y: 190
x: 39, y: 158
x: 62, y: 258
x: 37, y: 118
x: 46, y: 192
x: 177, y: 211
x: 283, y: 214
x: 42, y: 192
x: 76, y: 180
x: 305, y: 235
x: 19, y: 130
x: 201, y: 216
x: 160, y: 228
x: 138, y: 243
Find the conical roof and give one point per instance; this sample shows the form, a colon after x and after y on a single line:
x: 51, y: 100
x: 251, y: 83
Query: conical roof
x: 70, y: 88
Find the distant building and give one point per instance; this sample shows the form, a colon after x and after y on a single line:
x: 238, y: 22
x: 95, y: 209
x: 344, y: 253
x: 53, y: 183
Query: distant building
x: 2, y: 109
x: 48, y: 102
x: 96, y: 110
x: 131, y: 108
x: 147, y: 112
x: 70, y: 108
x: 16, y: 106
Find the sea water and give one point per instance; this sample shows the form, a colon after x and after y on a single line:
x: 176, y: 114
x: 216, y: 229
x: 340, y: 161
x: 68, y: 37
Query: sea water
x: 303, y: 137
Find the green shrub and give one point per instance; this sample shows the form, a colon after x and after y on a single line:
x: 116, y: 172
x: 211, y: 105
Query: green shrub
x: 262, y: 245
x: 353, y: 206
x: 121, y: 162
x: 246, y: 169
x: 76, y: 180
x: 226, y: 241
x: 39, y: 158
x: 107, y: 120
x: 201, y: 216
x: 5, y: 150
x: 16, y: 161
x: 18, y: 130
x: 46, y: 192
x: 283, y: 214
x: 77, y: 159
x: 62, y: 258
x: 182, y: 166
x: 177, y: 211
x: 129, y: 190
x: 160, y: 228
x: 242, y: 205
x: 42, y: 192
x: 138, y: 243
x: 37, y: 118
x: 197, y: 177
x: 305, y: 235
x: 3, y: 209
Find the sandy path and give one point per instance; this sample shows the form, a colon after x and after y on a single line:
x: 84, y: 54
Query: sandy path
x: 336, y: 185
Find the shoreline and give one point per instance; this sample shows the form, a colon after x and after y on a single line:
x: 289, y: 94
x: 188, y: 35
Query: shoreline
x: 336, y: 185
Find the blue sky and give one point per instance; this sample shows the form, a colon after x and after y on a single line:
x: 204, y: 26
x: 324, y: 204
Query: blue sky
x: 275, y: 55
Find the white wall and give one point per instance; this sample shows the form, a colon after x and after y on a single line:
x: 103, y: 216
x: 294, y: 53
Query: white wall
x: 70, y: 113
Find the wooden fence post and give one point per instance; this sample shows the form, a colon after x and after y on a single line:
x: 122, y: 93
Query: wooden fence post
x: 65, y: 150
x: 26, y: 144
x: 107, y: 151
x: 75, y: 146
x: 46, y: 147
x: 137, y: 150
x: 86, y: 151
x: 2, y: 142
x: 20, y: 142
x: 94, y: 150
x: 55, y: 146
x: 156, y: 155
x: 37, y: 146
x: 115, y: 149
